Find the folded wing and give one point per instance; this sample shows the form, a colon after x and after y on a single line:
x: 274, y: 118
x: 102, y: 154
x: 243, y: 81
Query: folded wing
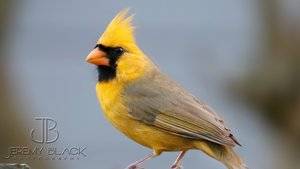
x: 161, y: 102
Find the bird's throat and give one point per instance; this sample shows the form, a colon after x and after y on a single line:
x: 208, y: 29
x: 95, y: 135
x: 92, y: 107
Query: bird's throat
x: 106, y: 73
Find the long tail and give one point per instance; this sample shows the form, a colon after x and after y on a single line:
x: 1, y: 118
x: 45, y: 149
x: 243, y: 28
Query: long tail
x: 224, y: 154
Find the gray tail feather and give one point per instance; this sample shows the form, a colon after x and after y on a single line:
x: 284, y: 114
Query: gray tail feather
x: 231, y: 159
x: 224, y: 154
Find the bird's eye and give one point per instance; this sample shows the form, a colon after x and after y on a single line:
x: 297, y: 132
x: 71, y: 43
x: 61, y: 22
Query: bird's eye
x: 118, y: 51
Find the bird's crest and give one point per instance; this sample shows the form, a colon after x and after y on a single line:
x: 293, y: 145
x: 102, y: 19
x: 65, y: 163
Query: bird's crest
x: 119, y: 32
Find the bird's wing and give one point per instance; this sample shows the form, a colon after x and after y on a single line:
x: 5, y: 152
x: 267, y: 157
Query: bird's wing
x: 160, y: 102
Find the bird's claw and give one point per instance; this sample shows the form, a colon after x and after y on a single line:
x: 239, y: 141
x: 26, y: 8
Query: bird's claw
x: 134, y: 166
x: 176, y: 166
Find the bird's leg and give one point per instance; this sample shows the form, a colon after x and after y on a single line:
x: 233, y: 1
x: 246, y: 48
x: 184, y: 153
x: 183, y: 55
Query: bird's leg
x: 137, y: 164
x: 177, y: 163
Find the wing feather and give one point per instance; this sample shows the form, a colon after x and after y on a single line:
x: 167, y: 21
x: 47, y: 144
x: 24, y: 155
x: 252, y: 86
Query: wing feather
x: 163, y: 103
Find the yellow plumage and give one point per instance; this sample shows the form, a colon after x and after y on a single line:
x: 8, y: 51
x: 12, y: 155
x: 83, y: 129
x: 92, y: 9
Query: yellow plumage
x: 120, y: 31
x: 151, y: 109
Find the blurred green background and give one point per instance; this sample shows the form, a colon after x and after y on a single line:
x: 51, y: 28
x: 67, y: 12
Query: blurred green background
x: 241, y: 57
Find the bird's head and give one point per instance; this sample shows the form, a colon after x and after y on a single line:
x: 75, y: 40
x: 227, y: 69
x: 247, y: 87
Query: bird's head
x: 116, y: 53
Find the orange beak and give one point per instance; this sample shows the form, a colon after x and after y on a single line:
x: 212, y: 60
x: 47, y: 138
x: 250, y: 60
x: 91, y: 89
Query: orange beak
x: 97, y: 57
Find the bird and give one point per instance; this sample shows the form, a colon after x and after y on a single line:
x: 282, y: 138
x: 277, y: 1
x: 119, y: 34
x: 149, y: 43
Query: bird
x: 147, y: 106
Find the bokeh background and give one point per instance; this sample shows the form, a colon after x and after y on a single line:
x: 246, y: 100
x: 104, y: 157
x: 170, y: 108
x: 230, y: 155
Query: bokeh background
x: 241, y: 57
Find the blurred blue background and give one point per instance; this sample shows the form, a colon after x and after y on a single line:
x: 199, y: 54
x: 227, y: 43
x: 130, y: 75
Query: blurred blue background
x: 207, y: 46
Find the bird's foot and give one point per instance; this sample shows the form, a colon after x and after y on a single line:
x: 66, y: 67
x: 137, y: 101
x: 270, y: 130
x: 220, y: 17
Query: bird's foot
x: 174, y: 166
x: 134, y: 166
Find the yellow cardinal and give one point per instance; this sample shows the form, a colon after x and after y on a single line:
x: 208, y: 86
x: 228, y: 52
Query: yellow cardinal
x: 149, y: 107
